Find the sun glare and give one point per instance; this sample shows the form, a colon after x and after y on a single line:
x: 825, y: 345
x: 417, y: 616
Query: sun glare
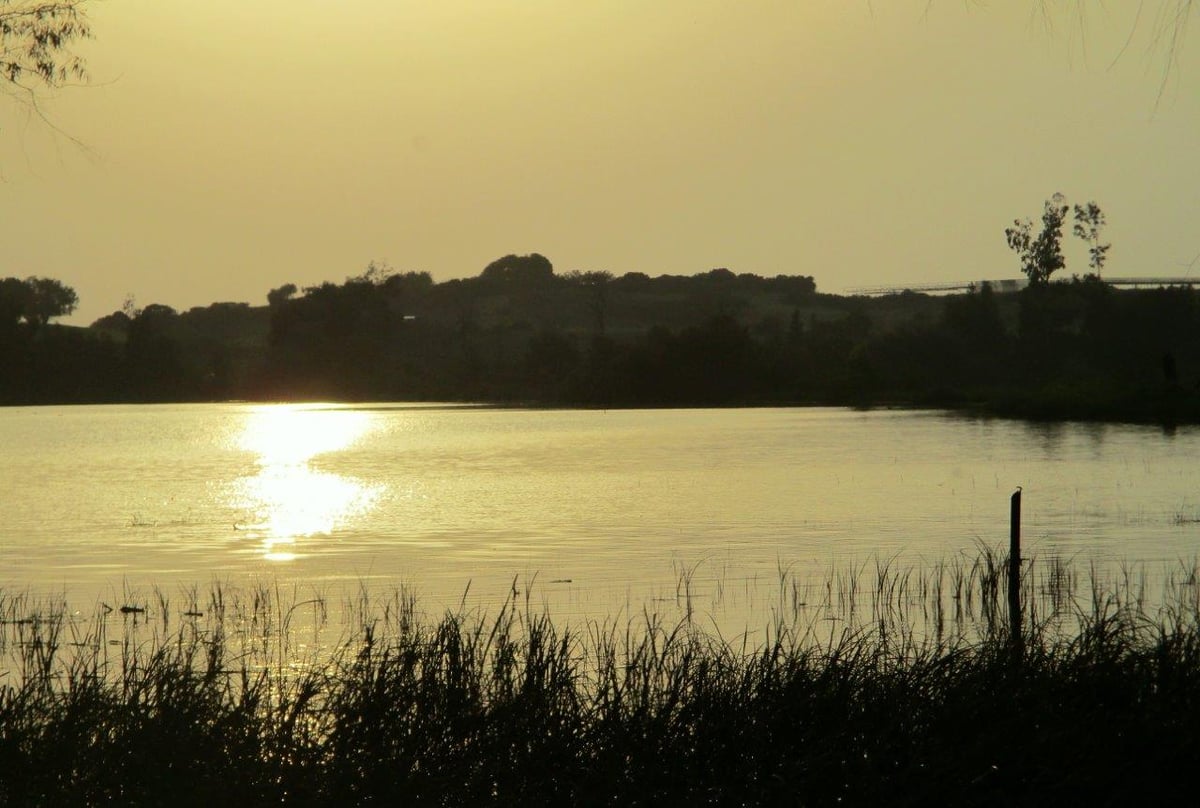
x: 288, y: 498
x: 286, y: 435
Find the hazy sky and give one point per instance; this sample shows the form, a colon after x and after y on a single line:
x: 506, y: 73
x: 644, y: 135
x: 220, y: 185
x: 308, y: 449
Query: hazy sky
x: 236, y: 145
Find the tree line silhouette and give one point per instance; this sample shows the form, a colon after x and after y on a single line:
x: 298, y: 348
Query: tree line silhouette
x: 519, y: 333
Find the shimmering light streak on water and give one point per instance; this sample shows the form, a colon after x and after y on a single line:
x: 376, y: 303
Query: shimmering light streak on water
x: 290, y: 500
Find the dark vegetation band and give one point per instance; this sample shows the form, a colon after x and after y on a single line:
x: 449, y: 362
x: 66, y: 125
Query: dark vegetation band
x: 519, y: 333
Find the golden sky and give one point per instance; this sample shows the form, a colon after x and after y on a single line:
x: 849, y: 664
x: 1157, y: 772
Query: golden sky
x: 236, y: 145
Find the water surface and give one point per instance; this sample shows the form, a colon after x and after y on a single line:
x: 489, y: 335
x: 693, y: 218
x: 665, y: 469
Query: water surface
x: 605, y: 508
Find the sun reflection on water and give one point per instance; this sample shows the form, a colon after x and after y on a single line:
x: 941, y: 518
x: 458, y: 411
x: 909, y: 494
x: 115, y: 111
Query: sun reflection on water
x: 288, y: 498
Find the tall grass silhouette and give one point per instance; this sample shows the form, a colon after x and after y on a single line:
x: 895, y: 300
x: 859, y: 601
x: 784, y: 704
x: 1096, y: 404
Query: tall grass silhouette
x: 877, y: 683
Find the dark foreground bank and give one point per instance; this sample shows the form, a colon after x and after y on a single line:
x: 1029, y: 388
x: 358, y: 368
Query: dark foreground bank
x: 513, y: 710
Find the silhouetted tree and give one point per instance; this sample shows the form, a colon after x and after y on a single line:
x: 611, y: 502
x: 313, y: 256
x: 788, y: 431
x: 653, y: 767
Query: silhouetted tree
x: 718, y: 275
x: 405, y: 291
x: 409, y: 283
x: 116, y: 323
x: 48, y: 298
x: 281, y: 295
x: 376, y: 274
x: 794, y: 288
x: 1040, y: 255
x: 35, y: 300
x: 14, y: 301
x: 1089, y: 220
x: 334, y: 339
x: 155, y: 356
x: 519, y: 269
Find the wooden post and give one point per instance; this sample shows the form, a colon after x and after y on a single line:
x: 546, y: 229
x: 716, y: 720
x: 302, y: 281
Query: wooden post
x: 1014, y: 575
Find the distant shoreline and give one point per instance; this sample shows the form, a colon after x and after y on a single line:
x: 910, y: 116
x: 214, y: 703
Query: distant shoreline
x: 1077, y: 350
x: 1165, y: 412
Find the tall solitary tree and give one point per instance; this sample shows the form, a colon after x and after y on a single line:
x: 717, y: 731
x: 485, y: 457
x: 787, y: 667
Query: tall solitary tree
x: 1042, y: 254
x: 1089, y: 220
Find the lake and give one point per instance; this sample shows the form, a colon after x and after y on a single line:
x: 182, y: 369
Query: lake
x: 603, y: 511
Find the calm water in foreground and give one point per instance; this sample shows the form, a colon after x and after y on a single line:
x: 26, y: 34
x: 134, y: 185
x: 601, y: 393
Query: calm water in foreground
x: 610, y: 510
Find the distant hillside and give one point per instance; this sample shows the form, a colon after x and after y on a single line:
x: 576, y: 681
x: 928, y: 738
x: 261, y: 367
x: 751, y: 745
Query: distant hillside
x: 519, y: 333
